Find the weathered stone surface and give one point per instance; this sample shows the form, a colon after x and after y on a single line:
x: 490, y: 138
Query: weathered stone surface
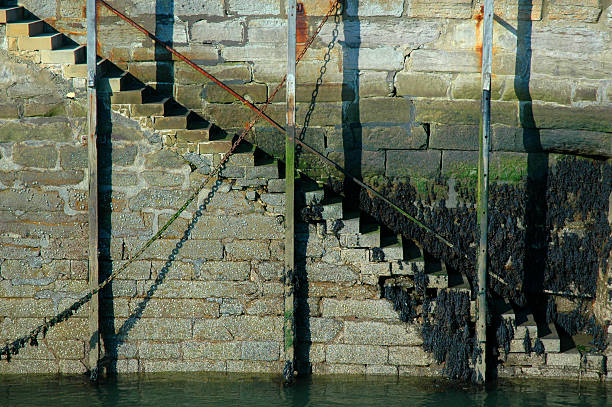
x: 320, y: 330
x: 427, y: 60
x: 30, y: 200
x: 547, y: 116
x: 206, y: 32
x: 73, y: 157
x: 164, y: 159
x: 385, y: 110
x: 245, y: 7
x: 375, y: 8
x: 260, y: 351
x: 393, y: 137
x: 250, y: 328
x: 421, y: 84
x: 255, y: 92
x: 250, y: 226
x: 328, y: 272
x: 223, y: 270
x: 248, y: 249
x: 409, y: 355
x: 367, y: 309
x: 379, y: 333
x: 441, y: 9
x: 35, y: 155
x: 406, y: 163
x: 510, y: 10
x: 453, y: 137
x: 150, y: 350
x: 363, y: 354
x: 587, y: 11
x: 540, y: 89
x: 383, y: 58
x: 463, y: 111
x: 213, y: 351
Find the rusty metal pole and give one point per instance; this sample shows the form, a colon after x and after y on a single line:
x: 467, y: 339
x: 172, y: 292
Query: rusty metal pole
x: 289, y: 324
x: 483, y: 190
x: 94, y: 331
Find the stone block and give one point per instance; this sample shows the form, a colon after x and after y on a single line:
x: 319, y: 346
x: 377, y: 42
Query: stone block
x: 212, y: 351
x: 253, y: 53
x: 153, y: 350
x: 267, y: 30
x: 73, y: 157
x: 357, y: 354
x: 421, y: 84
x: 254, y: 366
x: 427, y: 60
x: 469, y: 86
x: 319, y: 330
x: 510, y: 10
x: 223, y: 270
x: 464, y: 111
x: 177, y: 308
x: 30, y: 200
x: 211, y: 32
x: 9, y: 111
x: 453, y: 137
x: 159, y: 198
x: 246, y: 7
x: 52, y: 129
x: 269, y: 351
x: 460, y: 164
x: 248, y: 250
x: 338, y: 369
x: 540, y: 89
x: 587, y: 11
x: 547, y: 116
x: 393, y: 137
x: 250, y: 226
x: 440, y: 9
x: 27, y: 308
x: 320, y: 271
x: 242, y: 328
x: 566, y: 359
x: 196, y: 7
x: 383, y: 58
x: 585, y: 94
x: 254, y: 92
x: 265, y: 306
x: 385, y: 110
x: 409, y: 356
x: 367, y: 8
x: 382, y: 370
x: 181, y: 366
x: 55, y: 178
x: 366, y: 309
x: 164, y: 159
x: 380, y: 333
x: 406, y: 163
x: 35, y: 156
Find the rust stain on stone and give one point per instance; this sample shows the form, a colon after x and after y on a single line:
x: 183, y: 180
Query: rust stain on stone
x: 302, y: 27
x: 478, y: 17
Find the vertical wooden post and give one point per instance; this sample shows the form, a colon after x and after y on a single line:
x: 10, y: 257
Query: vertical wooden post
x: 483, y: 189
x: 289, y: 324
x: 94, y: 332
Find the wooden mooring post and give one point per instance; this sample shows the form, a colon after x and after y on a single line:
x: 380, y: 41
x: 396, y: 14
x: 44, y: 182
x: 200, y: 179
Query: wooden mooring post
x: 483, y: 189
x: 289, y: 317
x: 94, y: 331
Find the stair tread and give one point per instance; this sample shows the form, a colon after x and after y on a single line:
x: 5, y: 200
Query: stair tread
x: 70, y: 47
x: 25, y: 21
x: 46, y: 35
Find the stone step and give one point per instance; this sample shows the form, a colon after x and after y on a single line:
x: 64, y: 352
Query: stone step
x: 311, y: 192
x: 113, y: 83
x: 150, y: 108
x: 45, y: 41
x: 244, y: 156
x: 25, y: 28
x: 436, y: 273
x: 10, y: 14
x: 459, y: 282
x: 197, y: 132
x: 171, y: 121
x: 551, y: 340
x: 217, y: 146
x: 267, y: 170
x: 68, y: 54
x: 413, y: 260
x: 79, y: 70
x: 392, y: 248
x: 348, y: 225
x: 332, y: 208
x: 129, y: 97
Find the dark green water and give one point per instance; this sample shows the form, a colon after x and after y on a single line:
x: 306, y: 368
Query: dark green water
x: 161, y: 390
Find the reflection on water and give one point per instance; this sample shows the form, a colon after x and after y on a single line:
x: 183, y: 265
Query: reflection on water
x: 197, y: 389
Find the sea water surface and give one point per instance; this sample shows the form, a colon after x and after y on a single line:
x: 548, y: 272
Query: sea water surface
x: 161, y: 390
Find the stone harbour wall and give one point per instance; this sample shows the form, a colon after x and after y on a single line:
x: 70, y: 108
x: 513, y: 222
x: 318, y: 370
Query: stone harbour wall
x: 402, y: 81
x: 397, y: 98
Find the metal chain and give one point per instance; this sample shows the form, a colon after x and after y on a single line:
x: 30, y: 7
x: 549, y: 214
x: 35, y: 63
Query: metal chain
x: 32, y: 338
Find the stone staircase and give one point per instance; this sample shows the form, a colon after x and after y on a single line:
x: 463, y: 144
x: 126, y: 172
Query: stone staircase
x: 203, y: 144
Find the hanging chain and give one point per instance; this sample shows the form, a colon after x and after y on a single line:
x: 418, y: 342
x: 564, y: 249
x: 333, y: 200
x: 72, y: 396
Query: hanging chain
x: 32, y: 338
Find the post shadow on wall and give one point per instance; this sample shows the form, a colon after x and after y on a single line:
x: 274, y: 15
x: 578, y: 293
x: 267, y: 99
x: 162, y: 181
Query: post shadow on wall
x: 164, y: 30
x: 536, y: 245
x: 350, y: 130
